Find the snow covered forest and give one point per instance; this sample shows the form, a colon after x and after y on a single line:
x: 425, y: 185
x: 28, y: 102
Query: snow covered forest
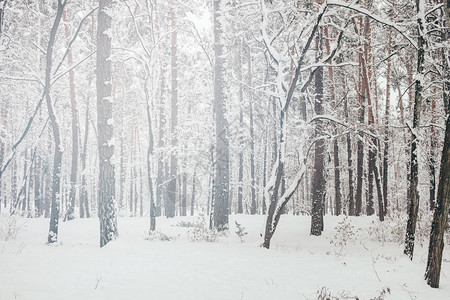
x: 224, y: 149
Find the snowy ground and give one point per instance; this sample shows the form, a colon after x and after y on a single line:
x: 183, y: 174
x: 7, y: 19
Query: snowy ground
x: 297, y: 266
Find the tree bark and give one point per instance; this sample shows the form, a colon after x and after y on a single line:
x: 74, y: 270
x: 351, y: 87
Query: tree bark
x: 414, y: 173
x: 252, y: 135
x: 241, y: 137
x: 57, y: 158
x: 106, y: 186
x: 221, y: 184
x: 172, y: 186
x: 440, y: 217
x: 73, y: 105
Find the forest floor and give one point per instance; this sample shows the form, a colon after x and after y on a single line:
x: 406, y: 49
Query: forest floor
x: 355, y: 258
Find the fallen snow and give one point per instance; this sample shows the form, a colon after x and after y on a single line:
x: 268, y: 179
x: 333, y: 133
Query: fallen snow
x: 132, y: 267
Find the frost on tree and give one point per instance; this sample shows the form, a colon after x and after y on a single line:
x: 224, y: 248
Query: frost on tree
x: 222, y: 152
x: 106, y: 188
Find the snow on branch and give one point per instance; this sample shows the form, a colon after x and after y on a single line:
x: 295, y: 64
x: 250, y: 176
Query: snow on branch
x: 379, y: 19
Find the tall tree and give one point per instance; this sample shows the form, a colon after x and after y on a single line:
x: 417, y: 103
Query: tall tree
x: 414, y: 161
x: 57, y: 158
x: 172, y: 186
x: 440, y: 217
x: 106, y: 185
x: 222, y: 156
x: 73, y: 105
x: 318, y: 179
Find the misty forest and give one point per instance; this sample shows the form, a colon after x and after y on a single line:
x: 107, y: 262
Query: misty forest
x: 224, y: 149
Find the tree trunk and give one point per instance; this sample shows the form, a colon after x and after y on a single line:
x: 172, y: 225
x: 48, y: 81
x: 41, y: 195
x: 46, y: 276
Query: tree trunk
x: 73, y: 104
x: 360, y: 144
x: 193, y: 191
x: 106, y: 185
x: 386, y: 128
x: 84, y: 197
x: 241, y: 137
x: 221, y: 184
x: 318, y: 180
x: 440, y: 217
x: 57, y: 159
x: 432, y: 161
x: 414, y: 174
x: 252, y: 135
x: 172, y: 186
x: 436, y: 246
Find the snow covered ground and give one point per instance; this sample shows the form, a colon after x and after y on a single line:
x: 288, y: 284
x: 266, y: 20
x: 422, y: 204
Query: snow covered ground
x: 297, y: 266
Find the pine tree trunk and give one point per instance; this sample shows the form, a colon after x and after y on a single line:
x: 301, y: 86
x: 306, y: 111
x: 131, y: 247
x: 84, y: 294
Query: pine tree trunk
x: 221, y: 184
x: 318, y: 180
x: 440, y: 217
x: 414, y: 173
x: 106, y: 185
x: 436, y: 246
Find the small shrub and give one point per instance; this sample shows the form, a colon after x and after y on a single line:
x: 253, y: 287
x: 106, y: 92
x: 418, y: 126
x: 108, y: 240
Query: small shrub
x: 186, y: 224
x: 240, y: 231
x: 345, y: 233
x: 9, y: 228
x: 201, y: 233
x: 391, y: 230
x: 158, y: 235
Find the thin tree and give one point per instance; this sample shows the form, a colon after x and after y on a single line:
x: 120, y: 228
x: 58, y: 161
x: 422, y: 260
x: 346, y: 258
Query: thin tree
x: 57, y: 158
x: 172, y: 186
x: 414, y: 161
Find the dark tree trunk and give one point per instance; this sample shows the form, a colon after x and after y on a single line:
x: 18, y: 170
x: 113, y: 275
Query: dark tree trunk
x: 221, y: 185
x: 432, y: 161
x: 106, y: 185
x: 440, y: 217
x: 414, y: 174
x: 436, y: 247
x: 360, y: 144
x: 351, y: 199
x: 318, y: 180
x: 386, y: 130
